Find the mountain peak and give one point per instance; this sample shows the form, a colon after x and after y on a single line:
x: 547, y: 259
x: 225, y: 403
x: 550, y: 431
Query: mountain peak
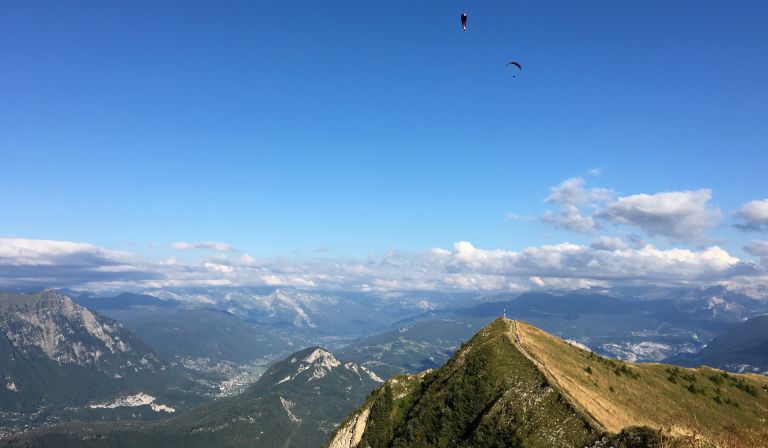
x: 321, y: 356
x: 51, y: 324
x: 513, y: 383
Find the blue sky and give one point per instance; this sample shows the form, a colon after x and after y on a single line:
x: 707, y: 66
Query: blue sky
x: 367, y: 126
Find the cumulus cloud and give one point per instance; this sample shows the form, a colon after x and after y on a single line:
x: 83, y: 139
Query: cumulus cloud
x: 754, y: 215
x: 39, y: 263
x: 600, y: 262
x: 203, y: 245
x: 574, y: 200
x: 679, y: 215
x: 605, y: 262
x: 573, y: 191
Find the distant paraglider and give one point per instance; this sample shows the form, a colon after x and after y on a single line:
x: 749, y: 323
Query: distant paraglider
x: 513, y: 63
x: 516, y: 64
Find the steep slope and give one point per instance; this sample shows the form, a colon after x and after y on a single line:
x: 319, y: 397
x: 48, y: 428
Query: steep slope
x: 297, y: 403
x: 57, y: 359
x: 618, y: 394
x: 515, y: 385
x: 51, y: 325
x: 742, y: 348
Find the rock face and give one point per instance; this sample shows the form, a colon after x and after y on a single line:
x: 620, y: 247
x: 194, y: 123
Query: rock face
x: 350, y: 434
x: 515, y: 385
x: 51, y: 325
x: 58, y: 358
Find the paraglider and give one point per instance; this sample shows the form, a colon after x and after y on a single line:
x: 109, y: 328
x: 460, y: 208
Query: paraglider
x: 464, y: 21
x: 516, y: 64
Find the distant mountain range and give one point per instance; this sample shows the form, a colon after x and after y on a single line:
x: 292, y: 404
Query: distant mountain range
x: 646, y: 328
x: 320, y: 313
x: 123, y: 301
x: 139, y: 356
x: 637, y: 324
x: 298, y: 402
x: 742, y: 348
x: 420, y: 345
x: 515, y: 385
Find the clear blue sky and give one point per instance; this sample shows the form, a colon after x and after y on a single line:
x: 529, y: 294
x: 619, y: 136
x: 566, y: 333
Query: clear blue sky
x: 366, y: 126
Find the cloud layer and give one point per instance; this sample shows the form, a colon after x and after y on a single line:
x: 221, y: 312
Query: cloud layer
x: 203, y: 245
x: 680, y: 217
x: 43, y: 263
x: 605, y: 262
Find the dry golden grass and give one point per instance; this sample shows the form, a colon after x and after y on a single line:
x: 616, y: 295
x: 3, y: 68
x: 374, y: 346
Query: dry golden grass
x: 619, y: 394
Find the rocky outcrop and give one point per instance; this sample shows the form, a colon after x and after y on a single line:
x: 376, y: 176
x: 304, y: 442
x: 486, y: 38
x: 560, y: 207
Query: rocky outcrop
x: 350, y: 433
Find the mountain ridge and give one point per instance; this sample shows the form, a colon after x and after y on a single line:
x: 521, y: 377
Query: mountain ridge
x: 597, y: 398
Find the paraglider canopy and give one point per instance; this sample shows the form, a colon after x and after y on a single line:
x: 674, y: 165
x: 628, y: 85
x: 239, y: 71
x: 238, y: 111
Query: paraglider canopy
x: 464, y: 21
x: 516, y: 64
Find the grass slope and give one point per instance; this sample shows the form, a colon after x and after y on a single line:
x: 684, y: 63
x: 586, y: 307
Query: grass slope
x: 515, y: 385
x: 619, y: 394
x: 489, y: 394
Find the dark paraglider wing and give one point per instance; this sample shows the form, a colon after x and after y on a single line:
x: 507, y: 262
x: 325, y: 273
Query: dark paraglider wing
x: 516, y: 64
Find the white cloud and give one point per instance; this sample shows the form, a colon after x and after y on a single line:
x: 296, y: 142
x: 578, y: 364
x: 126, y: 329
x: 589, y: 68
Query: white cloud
x: 679, y: 215
x: 610, y: 243
x: 607, y: 261
x: 569, y: 217
x: 26, y: 262
x: 202, y: 245
x: 216, y: 267
x: 754, y: 215
x: 572, y: 198
x: 247, y: 260
x: 598, y: 262
x: 573, y: 191
x: 19, y: 251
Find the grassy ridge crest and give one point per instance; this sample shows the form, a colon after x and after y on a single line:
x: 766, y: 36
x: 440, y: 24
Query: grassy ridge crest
x: 515, y: 385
